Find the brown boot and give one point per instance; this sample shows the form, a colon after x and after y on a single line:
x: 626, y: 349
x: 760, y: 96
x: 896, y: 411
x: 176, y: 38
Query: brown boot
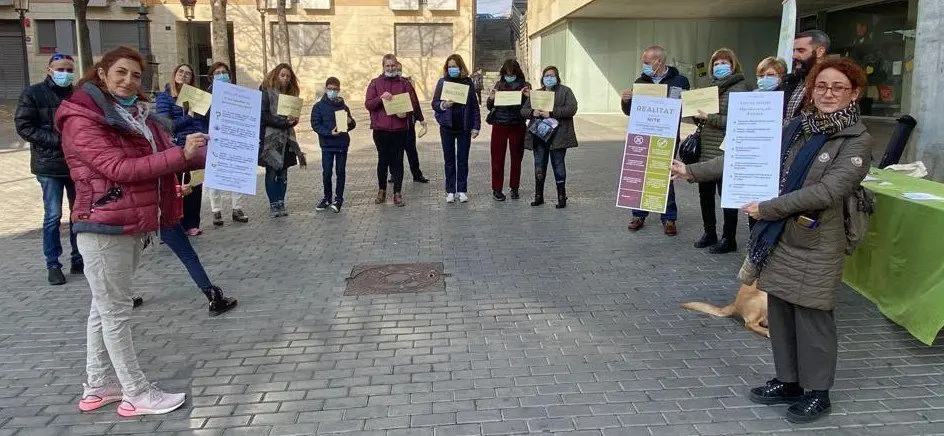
x: 670, y: 228
x: 398, y: 199
x: 636, y: 223
x: 381, y: 197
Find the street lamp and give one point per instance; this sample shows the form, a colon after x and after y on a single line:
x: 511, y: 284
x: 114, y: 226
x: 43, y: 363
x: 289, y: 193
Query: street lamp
x: 262, y: 6
x: 22, y: 7
x: 189, y: 14
x: 144, y: 45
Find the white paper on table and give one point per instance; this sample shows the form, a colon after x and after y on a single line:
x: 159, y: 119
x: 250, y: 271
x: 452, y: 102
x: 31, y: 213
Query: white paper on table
x: 920, y: 196
x: 233, y: 154
x: 752, y: 148
x: 655, y: 116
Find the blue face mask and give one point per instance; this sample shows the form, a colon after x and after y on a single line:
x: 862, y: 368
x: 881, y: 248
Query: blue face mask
x: 549, y: 81
x: 222, y: 77
x: 126, y: 102
x: 648, y: 70
x: 63, y: 79
x: 721, y: 71
x: 511, y: 79
x: 767, y: 83
x: 453, y: 71
x: 332, y: 94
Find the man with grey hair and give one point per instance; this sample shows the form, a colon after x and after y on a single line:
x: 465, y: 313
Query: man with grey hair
x: 655, y: 70
x: 809, y: 47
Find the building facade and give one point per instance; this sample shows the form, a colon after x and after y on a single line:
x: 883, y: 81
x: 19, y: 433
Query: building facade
x: 341, y: 38
x: 597, y: 45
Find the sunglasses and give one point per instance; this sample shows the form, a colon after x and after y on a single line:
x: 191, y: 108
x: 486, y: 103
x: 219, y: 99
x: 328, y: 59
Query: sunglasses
x: 59, y: 57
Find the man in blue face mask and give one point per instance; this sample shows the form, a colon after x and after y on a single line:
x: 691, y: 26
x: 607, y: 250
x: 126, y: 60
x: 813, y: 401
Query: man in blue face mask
x: 34, y: 120
x: 655, y: 70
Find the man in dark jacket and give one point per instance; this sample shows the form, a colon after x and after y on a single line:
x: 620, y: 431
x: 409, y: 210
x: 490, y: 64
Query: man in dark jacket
x: 334, y: 141
x: 34, y: 123
x: 654, y: 70
x: 808, y: 48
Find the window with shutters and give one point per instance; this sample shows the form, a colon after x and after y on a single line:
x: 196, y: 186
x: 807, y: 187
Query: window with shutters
x: 305, y: 39
x: 55, y: 36
x: 115, y: 33
x: 421, y: 40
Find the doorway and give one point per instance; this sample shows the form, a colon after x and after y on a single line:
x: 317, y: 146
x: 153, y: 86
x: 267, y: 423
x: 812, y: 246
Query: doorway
x: 201, y: 51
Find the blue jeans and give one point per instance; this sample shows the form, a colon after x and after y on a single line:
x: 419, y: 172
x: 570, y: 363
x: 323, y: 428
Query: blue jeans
x: 52, y: 214
x: 176, y: 239
x: 276, y: 183
x: 456, y: 147
x: 543, y: 153
x: 671, y: 209
x: 333, y: 160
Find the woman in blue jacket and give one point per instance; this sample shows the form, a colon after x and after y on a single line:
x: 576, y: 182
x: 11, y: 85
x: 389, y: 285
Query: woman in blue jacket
x: 185, y: 123
x: 459, y: 123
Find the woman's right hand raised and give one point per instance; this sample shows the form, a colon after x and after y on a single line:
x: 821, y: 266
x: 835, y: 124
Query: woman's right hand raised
x: 193, y: 143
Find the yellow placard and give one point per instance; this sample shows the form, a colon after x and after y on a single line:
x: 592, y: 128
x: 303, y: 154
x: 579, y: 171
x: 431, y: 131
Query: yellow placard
x: 340, y: 119
x: 659, y: 90
x: 507, y: 98
x: 542, y: 101
x: 399, y: 104
x: 289, y: 106
x: 704, y: 99
x: 196, y: 177
x: 455, y: 92
x: 199, y: 100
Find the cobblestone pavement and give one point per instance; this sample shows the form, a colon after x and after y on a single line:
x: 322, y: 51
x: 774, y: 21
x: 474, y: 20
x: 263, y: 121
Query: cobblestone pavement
x: 553, y: 321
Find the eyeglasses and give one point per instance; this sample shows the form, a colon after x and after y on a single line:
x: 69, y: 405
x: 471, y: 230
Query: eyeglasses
x: 185, y: 73
x: 837, y: 90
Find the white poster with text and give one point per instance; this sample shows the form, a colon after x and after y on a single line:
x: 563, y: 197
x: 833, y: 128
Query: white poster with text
x: 752, y: 148
x: 233, y: 154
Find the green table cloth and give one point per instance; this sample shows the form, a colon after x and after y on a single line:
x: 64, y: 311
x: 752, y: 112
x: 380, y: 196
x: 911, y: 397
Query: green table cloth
x: 900, y: 264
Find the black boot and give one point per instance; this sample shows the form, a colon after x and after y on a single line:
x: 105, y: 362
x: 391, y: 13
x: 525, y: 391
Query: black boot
x: 707, y: 240
x: 724, y: 246
x: 218, y: 303
x: 538, y: 188
x: 561, y: 197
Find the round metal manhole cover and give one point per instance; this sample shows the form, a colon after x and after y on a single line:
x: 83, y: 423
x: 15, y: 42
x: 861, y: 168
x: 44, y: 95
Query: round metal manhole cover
x: 398, y: 278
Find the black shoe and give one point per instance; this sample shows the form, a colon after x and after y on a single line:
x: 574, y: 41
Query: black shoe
x: 515, y: 195
x: 218, y: 303
x: 498, y: 196
x: 56, y: 277
x: 420, y: 179
x: 336, y: 207
x: 77, y: 269
x: 707, y: 240
x: 811, y: 407
x: 561, y: 197
x: 217, y: 219
x: 538, y: 200
x: 136, y: 302
x: 239, y: 216
x: 777, y: 392
x: 323, y: 205
x: 724, y: 246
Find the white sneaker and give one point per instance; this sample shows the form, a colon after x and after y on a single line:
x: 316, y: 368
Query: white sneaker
x: 94, y: 398
x: 152, y: 401
x: 463, y: 198
x: 450, y: 198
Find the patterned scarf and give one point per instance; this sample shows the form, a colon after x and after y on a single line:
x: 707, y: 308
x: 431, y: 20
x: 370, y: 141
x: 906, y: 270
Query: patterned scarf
x: 816, y: 122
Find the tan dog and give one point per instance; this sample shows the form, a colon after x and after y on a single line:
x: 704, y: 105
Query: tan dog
x: 750, y: 304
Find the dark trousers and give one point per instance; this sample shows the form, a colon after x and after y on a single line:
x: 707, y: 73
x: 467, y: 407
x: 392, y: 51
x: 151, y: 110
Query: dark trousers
x: 176, y: 239
x: 390, y: 147
x: 276, y: 184
x: 52, y: 214
x: 671, y: 207
x: 804, y: 344
x: 412, y: 156
x: 337, y: 161
x: 456, y: 145
x: 706, y: 196
x: 509, y: 138
x: 193, y: 202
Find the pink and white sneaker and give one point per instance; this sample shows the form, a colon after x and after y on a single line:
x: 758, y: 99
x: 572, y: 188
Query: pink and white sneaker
x: 152, y: 401
x: 94, y: 398
x: 195, y: 231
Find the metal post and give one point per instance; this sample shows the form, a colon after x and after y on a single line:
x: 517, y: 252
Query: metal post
x: 144, y: 44
x: 265, y: 46
x: 26, y: 74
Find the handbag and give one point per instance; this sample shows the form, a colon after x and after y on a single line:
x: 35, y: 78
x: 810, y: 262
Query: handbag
x: 690, y: 149
x: 543, y: 128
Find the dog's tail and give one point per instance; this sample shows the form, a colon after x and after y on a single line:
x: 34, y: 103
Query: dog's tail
x: 722, y: 312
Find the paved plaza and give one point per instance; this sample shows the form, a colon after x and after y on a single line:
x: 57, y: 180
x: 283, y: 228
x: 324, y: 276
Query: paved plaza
x: 552, y: 321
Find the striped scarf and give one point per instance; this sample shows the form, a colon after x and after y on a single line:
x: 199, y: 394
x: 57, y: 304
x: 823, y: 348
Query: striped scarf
x: 816, y: 122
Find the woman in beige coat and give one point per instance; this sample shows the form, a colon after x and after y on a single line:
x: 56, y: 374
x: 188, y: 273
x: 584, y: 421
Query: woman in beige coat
x: 796, y: 250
